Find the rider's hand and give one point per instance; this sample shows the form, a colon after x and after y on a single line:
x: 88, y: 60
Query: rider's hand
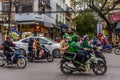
x: 86, y: 49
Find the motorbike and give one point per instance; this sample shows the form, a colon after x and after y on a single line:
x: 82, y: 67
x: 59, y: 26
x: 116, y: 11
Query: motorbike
x: 99, y: 54
x: 16, y: 58
x: 31, y: 55
x: 96, y: 64
x: 107, y: 49
x: 117, y: 50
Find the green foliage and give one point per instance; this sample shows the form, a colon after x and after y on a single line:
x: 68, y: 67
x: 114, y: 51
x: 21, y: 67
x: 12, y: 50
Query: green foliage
x: 86, y: 24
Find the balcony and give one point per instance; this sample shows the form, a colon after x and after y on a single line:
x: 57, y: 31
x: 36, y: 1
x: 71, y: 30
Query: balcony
x: 25, y: 17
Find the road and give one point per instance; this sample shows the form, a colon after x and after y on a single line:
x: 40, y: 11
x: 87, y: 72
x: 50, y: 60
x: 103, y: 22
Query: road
x: 42, y: 70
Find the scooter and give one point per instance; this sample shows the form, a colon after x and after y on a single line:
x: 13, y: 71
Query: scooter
x: 16, y: 58
x: 96, y: 64
x: 117, y: 50
x: 31, y: 55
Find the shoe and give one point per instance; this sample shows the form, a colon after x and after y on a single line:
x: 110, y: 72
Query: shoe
x: 82, y: 67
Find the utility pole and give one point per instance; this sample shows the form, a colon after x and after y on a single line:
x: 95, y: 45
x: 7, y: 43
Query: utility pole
x: 9, y: 17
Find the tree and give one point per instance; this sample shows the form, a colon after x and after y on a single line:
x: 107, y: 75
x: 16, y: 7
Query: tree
x: 86, y: 23
x: 102, y: 8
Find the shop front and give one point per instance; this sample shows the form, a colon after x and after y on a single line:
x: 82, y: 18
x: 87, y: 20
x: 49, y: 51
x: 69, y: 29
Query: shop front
x: 115, y: 20
x: 27, y: 30
x: 7, y: 29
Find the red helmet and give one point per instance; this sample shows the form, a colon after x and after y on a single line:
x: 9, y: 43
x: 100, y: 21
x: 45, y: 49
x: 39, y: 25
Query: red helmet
x: 100, y: 35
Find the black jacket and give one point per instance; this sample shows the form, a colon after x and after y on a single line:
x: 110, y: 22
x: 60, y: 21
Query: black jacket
x: 7, y: 45
x: 30, y: 45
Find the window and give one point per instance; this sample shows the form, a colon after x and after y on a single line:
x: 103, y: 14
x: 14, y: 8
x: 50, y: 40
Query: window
x: 42, y: 41
x: 25, y: 6
x: 5, y: 7
x: 26, y: 40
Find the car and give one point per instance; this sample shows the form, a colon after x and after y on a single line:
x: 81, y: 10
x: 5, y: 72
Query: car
x: 50, y: 44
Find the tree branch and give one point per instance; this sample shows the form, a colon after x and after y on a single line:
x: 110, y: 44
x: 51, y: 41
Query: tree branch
x: 103, y: 5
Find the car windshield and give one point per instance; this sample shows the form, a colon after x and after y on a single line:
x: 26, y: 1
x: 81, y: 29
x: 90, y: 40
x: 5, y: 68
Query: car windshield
x: 51, y: 40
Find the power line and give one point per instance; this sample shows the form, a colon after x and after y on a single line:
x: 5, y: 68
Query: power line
x: 60, y: 11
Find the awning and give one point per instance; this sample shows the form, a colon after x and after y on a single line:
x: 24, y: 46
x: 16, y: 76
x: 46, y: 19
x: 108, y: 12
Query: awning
x: 118, y: 26
x: 64, y: 26
x: 117, y: 29
x: 6, y: 25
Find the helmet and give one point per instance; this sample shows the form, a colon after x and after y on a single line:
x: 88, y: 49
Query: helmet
x: 75, y: 37
x: 85, y: 36
x: 66, y: 35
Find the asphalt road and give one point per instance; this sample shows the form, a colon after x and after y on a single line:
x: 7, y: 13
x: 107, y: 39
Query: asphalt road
x: 42, y: 70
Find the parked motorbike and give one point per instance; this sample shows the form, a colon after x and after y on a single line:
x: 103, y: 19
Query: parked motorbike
x: 96, y: 64
x: 117, y: 50
x: 16, y: 58
x: 31, y: 55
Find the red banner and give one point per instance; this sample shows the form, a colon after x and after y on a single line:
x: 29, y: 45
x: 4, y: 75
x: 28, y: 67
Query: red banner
x: 114, y: 17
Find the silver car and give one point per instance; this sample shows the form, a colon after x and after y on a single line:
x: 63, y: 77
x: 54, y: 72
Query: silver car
x: 51, y: 45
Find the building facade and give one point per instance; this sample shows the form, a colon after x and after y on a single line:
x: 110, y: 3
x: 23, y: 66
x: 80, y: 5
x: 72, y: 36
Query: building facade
x: 30, y: 14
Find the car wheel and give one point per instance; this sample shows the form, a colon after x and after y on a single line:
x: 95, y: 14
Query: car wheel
x: 23, y: 52
x: 56, y: 53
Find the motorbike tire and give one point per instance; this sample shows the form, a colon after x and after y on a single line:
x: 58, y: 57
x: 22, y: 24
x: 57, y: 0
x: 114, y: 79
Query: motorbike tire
x: 50, y: 58
x: 100, y: 65
x: 117, y: 51
x: 1, y: 61
x: 62, y: 68
x: 21, y: 61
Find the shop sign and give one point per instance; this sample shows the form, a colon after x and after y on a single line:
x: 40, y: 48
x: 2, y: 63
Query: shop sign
x: 114, y: 17
x: 19, y: 33
x: 37, y: 29
x: 4, y: 29
x: 26, y: 28
x: 14, y: 29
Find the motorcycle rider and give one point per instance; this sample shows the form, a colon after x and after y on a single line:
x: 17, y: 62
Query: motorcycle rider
x: 76, y: 48
x: 31, y: 46
x: 85, y: 42
x: 8, y: 48
x: 64, y: 44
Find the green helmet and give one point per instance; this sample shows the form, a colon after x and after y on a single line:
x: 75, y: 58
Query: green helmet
x: 66, y: 35
x: 75, y: 37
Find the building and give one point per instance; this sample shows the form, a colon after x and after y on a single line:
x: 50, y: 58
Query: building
x: 70, y: 6
x: 114, y: 18
x: 6, y: 18
x: 31, y: 18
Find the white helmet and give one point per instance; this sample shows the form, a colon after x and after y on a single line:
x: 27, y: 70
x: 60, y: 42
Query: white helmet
x: 85, y: 36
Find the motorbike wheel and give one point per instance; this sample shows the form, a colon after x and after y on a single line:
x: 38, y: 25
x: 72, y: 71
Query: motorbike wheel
x: 50, y: 58
x: 117, y: 51
x: 21, y: 63
x: 2, y: 62
x: 64, y: 69
x: 99, y: 68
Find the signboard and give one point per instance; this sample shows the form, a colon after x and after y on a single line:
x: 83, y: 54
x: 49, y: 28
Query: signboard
x: 37, y: 29
x: 114, y: 17
x: 26, y: 28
